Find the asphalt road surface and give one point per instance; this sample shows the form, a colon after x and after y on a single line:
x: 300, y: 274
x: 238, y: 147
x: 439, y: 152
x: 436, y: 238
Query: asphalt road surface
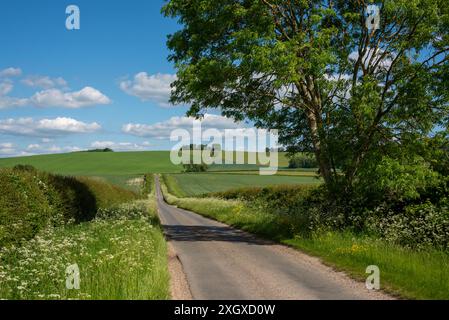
x: 221, y: 262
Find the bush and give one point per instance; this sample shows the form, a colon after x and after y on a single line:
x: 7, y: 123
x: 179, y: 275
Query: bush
x: 107, y: 194
x: 195, y: 167
x: 295, y: 206
x: 417, y: 226
x: 148, y: 184
x: 31, y: 200
x: 302, y: 160
x: 24, y: 206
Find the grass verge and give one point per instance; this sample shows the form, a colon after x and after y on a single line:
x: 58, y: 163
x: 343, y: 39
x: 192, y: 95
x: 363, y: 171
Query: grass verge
x: 408, y: 273
x: 121, y: 255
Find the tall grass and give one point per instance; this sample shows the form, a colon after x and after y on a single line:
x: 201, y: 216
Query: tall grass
x: 121, y: 255
x: 173, y: 185
x: 409, y: 273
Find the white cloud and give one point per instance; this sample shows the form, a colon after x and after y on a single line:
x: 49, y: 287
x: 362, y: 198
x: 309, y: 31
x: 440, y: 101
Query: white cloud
x: 88, y: 96
x: 7, y: 148
x: 154, y: 88
x: 383, y: 62
x: 44, y: 82
x: 10, y: 72
x: 120, y: 146
x: 5, y: 88
x: 11, y: 102
x: 46, y: 127
x: 39, y: 149
x: 162, y: 130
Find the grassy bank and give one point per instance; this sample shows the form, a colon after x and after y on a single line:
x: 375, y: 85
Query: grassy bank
x: 409, y: 273
x: 121, y: 255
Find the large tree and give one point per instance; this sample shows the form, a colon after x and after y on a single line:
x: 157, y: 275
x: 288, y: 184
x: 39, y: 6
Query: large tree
x: 318, y: 73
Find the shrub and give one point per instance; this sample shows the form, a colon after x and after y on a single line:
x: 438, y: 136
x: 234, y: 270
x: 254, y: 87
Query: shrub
x: 107, y: 194
x: 190, y: 167
x: 302, y: 160
x: 24, y: 206
x: 148, y: 184
x: 417, y: 226
x: 31, y: 200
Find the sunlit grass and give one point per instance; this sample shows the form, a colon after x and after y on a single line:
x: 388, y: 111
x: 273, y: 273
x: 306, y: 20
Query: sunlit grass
x: 408, y: 273
x: 121, y: 255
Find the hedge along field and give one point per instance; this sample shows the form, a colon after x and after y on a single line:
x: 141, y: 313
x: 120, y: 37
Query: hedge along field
x: 31, y: 200
x: 197, y: 184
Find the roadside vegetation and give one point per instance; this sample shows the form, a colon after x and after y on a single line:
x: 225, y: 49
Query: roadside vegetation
x: 370, y: 105
x: 51, y: 222
x: 32, y: 200
x: 413, y: 263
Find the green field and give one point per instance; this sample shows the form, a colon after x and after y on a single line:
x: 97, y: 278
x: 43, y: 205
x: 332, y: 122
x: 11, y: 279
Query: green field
x: 113, y: 163
x: 121, y: 168
x: 196, y: 184
x: 99, y: 163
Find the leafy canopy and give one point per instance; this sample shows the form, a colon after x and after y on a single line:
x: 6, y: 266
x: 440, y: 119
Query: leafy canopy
x: 313, y: 70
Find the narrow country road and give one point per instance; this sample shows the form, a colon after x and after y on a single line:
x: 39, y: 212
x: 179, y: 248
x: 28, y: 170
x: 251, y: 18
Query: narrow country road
x: 223, y: 263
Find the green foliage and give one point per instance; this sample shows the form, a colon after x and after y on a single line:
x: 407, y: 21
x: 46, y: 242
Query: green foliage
x: 302, y: 160
x: 172, y: 184
x: 121, y: 254
x: 148, y: 184
x: 31, y: 201
x: 101, y: 150
x: 25, y: 207
x: 399, y: 181
x: 416, y: 226
x: 350, y: 95
x: 348, y: 251
x: 106, y: 194
x: 190, y: 167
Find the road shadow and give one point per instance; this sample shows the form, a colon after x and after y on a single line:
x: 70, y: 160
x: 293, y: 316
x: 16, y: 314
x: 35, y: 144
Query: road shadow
x: 210, y: 233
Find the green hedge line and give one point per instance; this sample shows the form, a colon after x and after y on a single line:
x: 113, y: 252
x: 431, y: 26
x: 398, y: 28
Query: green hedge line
x: 31, y: 200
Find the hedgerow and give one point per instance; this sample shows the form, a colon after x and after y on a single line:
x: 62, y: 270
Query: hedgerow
x: 31, y: 200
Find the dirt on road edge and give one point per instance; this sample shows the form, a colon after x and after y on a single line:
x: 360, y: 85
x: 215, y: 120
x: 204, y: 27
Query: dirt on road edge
x: 179, y: 287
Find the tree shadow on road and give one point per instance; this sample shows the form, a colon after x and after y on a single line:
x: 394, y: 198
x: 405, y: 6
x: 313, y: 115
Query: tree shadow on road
x: 210, y: 233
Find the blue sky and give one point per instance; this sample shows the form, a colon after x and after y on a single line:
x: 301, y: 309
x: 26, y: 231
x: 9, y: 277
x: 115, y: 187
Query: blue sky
x: 106, y: 84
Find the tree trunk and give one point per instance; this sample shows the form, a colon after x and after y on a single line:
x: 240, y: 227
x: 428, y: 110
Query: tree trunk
x: 323, y: 162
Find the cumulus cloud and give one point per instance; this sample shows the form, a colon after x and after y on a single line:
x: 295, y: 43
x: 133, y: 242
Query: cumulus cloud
x: 46, y: 127
x: 7, y: 148
x: 376, y: 56
x: 44, y: 82
x: 42, y: 149
x: 11, y: 102
x: 5, y: 88
x: 121, y: 146
x: 88, y: 96
x: 162, y: 130
x: 155, y: 88
x: 10, y: 72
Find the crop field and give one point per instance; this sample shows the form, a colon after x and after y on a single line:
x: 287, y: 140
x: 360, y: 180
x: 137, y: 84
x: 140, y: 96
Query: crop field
x: 196, y: 184
x: 116, y: 163
x: 99, y: 163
